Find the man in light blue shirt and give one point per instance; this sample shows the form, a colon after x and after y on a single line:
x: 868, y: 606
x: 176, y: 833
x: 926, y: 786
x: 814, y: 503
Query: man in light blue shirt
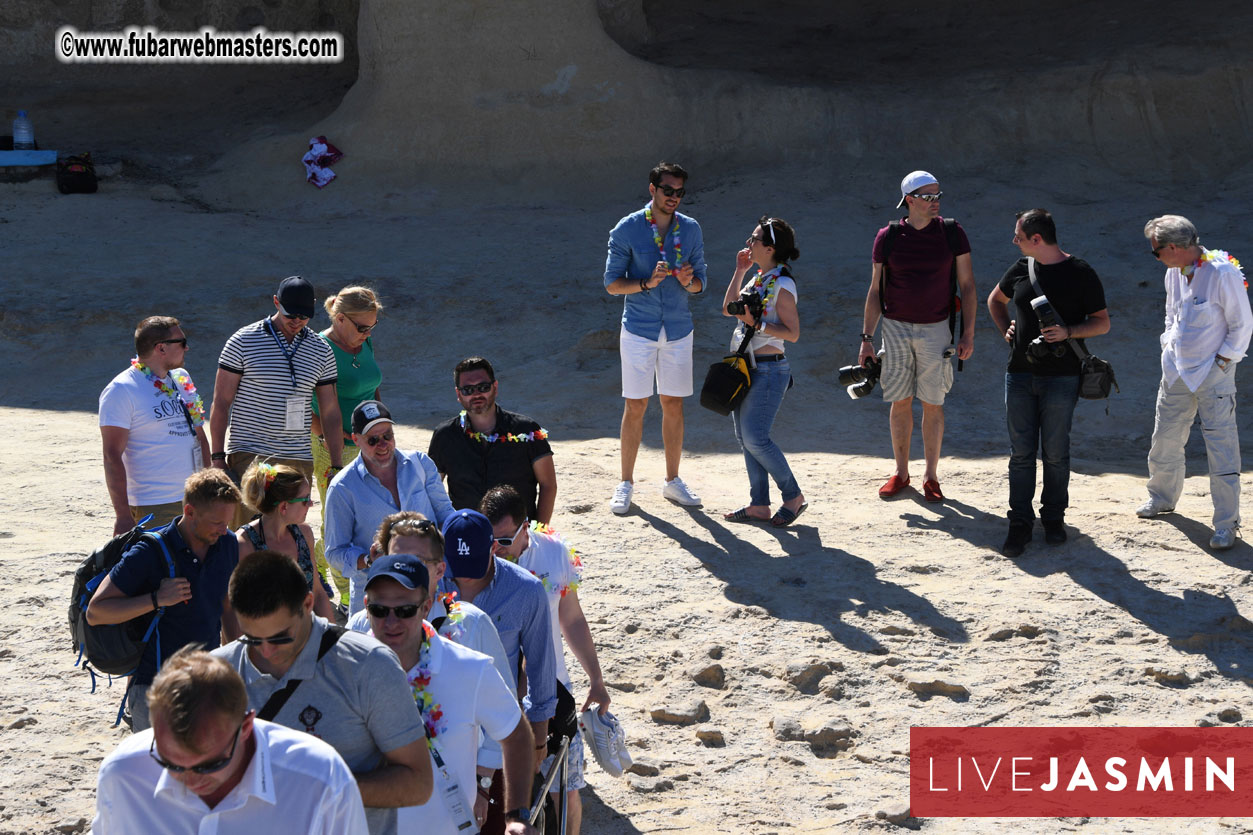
x: 381, y: 481
x: 656, y: 260
x: 518, y: 606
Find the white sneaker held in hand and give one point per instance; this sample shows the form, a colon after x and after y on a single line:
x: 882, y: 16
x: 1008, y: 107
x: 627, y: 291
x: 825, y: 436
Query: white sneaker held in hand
x: 678, y: 492
x: 604, y: 738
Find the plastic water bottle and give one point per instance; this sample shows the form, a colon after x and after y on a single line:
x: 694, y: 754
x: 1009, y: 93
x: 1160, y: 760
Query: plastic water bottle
x: 23, y: 133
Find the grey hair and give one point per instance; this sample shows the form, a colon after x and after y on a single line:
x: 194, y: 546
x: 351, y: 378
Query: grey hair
x: 1171, y: 229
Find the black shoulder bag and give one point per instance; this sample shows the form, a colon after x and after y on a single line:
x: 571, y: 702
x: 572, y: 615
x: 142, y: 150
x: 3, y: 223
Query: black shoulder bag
x: 279, y: 697
x: 1096, y: 376
x: 727, y: 381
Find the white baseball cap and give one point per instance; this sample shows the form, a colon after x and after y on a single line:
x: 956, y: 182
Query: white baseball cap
x: 913, y: 181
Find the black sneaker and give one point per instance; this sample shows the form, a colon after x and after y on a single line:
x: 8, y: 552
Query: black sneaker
x: 1017, y: 539
x: 1054, y: 531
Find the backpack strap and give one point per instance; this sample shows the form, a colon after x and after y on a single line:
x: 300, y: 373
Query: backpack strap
x: 279, y: 698
x: 894, y: 231
x: 152, y: 627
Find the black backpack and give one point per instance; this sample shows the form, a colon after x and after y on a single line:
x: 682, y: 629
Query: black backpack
x: 113, y: 649
x: 76, y: 175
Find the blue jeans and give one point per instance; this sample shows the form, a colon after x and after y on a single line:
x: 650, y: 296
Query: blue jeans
x: 753, y: 420
x: 1038, y: 410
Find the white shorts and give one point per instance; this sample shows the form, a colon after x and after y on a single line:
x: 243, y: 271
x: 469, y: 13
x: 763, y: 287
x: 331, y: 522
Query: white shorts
x: 574, y: 764
x: 916, y: 361
x: 643, y: 360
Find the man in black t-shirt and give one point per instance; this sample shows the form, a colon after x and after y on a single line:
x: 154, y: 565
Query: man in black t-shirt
x: 486, y: 445
x: 1042, y: 381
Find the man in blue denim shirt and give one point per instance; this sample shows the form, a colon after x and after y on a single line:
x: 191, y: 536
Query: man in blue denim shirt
x: 656, y: 260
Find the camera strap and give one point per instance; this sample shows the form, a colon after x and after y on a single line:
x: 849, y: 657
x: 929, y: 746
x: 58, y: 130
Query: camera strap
x: 1079, y: 350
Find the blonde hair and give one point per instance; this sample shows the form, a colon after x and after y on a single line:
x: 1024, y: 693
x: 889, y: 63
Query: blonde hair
x: 409, y: 523
x: 207, y: 486
x: 266, y: 485
x: 191, y: 685
x: 352, y: 300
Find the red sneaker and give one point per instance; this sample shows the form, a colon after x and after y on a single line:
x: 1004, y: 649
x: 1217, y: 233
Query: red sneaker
x: 894, y: 485
x: 931, y: 491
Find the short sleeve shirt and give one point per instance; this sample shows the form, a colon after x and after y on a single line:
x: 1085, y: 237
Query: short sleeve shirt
x: 919, y: 272
x: 271, y: 414
x: 473, y: 466
x: 555, y: 564
x: 161, y: 448
x: 198, y: 620
x: 1075, y: 293
x: 358, y: 377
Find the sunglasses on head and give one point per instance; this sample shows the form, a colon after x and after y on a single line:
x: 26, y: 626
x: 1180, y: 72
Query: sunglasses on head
x: 300, y: 499
x: 477, y: 388
x: 203, y: 768
x: 508, y: 540
x: 276, y: 640
x: 182, y: 342
x: 375, y: 440
x: 929, y: 198
x: 403, y: 612
x: 671, y: 191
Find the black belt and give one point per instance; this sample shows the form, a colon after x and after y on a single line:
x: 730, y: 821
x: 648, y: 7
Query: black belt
x: 769, y: 357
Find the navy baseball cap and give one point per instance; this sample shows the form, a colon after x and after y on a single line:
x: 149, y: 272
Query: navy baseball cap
x: 468, y: 544
x: 295, y: 297
x: 405, y: 569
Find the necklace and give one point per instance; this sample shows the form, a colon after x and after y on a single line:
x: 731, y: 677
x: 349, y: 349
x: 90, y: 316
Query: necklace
x: 192, y: 402
x: 661, y: 246
x: 419, y: 680
x: 355, y: 354
x: 770, y: 287
x: 496, y: 438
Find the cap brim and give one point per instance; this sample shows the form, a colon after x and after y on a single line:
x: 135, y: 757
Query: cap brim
x: 375, y: 423
x: 308, y: 314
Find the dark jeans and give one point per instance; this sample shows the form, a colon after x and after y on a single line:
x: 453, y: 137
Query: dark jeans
x: 1038, y: 410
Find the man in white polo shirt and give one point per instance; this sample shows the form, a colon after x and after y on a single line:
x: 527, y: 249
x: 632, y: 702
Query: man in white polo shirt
x: 268, y: 374
x: 152, y: 428
x: 459, y: 692
x: 209, y: 765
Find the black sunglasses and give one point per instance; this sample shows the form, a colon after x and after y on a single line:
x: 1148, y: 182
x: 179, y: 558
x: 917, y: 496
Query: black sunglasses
x: 182, y: 342
x: 1157, y: 252
x: 203, y: 768
x: 277, y: 640
x: 670, y: 191
x: 291, y: 317
x: 405, y: 612
x: 360, y: 328
x: 375, y: 440
x: 477, y: 388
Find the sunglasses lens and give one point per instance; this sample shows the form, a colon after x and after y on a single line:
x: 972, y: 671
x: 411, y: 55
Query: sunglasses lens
x: 402, y: 612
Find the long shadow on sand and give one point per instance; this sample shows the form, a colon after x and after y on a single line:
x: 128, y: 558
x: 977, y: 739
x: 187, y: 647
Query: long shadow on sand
x: 822, y: 584
x: 1198, y: 622
x: 599, y: 817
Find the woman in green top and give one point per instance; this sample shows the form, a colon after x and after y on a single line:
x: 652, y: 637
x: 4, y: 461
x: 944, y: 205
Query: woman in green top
x: 354, y: 313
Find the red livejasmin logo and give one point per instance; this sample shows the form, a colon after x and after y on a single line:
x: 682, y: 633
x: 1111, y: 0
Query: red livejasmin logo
x: 1081, y: 772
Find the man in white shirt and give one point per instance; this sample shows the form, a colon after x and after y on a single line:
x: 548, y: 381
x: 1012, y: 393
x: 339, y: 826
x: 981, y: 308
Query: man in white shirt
x: 208, y: 765
x: 458, y: 692
x: 152, y: 428
x: 1208, y: 325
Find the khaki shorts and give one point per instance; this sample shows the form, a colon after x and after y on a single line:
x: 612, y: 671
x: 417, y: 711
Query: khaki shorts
x: 917, y: 361
x: 162, y: 514
x: 239, y: 462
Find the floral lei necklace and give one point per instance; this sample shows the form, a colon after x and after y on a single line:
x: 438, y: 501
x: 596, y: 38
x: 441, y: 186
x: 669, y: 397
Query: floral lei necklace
x: 576, y: 562
x: 661, y: 246
x: 452, y: 628
x: 195, y: 406
x: 1215, y: 254
x: 419, y: 681
x: 771, y: 288
x: 495, y: 438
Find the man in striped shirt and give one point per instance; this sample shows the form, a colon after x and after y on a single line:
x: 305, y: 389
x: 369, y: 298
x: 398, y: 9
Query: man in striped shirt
x: 267, y: 374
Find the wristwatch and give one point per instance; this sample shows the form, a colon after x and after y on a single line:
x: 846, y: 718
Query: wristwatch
x: 485, y: 783
x: 865, y: 337
x: 522, y: 813
x: 1222, y: 362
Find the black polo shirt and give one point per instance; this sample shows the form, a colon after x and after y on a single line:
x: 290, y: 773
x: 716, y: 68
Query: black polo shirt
x: 473, y: 466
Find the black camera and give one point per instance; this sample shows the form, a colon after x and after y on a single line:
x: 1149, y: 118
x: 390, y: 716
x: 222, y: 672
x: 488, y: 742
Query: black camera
x: 1047, y: 317
x: 859, y: 380
x: 748, y: 302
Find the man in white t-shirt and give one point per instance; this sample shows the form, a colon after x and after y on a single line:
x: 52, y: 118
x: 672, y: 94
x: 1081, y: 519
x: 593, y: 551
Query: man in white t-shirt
x: 546, y: 555
x: 152, y: 428
x: 458, y: 692
x: 208, y: 764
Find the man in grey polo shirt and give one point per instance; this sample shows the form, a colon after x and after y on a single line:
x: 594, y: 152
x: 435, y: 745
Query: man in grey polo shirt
x: 344, y: 688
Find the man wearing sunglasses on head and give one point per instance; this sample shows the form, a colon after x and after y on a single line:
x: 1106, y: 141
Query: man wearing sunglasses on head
x: 920, y: 266
x: 268, y: 374
x: 381, y: 481
x: 486, y: 445
x: 656, y: 261
x: 208, y: 764
x: 459, y: 692
x: 345, y: 688
x: 152, y: 428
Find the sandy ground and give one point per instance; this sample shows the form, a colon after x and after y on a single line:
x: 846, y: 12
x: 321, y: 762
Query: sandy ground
x: 843, y: 622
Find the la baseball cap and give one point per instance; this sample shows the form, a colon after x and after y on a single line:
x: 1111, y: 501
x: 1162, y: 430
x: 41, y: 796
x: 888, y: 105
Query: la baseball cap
x: 913, y: 181
x: 467, y: 544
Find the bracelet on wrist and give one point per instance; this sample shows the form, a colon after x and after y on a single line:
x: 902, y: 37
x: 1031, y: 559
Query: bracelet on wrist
x: 155, y: 604
x: 218, y: 456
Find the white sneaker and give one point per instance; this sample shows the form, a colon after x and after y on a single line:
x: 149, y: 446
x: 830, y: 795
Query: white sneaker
x: 1151, y: 508
x: 621, y: 501
x: 1224, y: 538
x: 604, y: 738
x: 678, y: 492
